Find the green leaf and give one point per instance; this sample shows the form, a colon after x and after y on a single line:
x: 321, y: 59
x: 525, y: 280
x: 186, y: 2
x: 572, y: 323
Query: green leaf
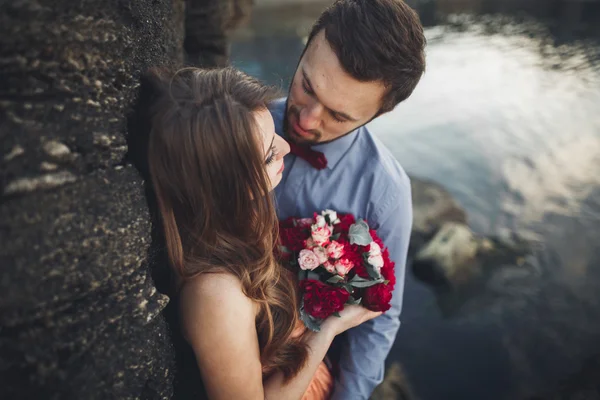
x: 360, y: 282
x: 309, y: 321
x: 373, y: 273
x: 302, y: 274
x: 337, y: 314
x: 358, y: 278
x: 335, y: 237
x: 312, y: 275
x: 359, y: 233
x: 348, y: 287
x: 351, y: 301
x: 335, y: 279
x: 386, y: 282
x: 366, y: 284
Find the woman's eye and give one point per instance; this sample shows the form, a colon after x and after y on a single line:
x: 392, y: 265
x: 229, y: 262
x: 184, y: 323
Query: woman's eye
x: 272, y: 156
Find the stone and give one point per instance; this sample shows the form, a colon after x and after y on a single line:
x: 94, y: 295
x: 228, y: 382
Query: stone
x: 15, y: 152
x: 456, y: 262
x: 83, y: 313
x: 42, y: 182
x: 56, y: 149
x: 80, y: 314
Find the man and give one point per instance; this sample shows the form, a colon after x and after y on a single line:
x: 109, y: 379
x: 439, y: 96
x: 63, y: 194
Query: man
x: 363, y: 57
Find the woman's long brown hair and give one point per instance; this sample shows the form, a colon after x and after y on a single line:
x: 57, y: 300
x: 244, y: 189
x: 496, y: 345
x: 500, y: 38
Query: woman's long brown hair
x: 208, y: 173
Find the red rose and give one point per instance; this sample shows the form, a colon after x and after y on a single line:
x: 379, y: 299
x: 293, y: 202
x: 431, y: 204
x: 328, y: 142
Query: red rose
x: 293, y: 238
x: 321, y: 300
x: 354, y: 252
x: 376, y: 238
x: 287, y: 223
x: 345, y: 221
x: 377, y: 297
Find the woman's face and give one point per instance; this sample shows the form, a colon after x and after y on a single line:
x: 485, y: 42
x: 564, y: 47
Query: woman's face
x: 274, y: 146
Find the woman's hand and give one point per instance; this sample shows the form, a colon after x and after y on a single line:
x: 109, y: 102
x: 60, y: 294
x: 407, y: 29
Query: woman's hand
x: 350, y: 316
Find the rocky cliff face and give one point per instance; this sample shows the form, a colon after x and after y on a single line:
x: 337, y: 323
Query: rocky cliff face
x: 80, y: 316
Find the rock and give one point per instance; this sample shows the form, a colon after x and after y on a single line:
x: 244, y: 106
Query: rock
x: 455, y: 261
x: 80, y: 316
x: 207, y: 43
x: 443, y: 248
x: 56, y: 149
x: 15, y: 152
x: 394, y: 386
x: 432, y: 206
x: 42, y: 182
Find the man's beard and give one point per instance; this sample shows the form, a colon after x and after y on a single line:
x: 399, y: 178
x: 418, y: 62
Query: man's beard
x: 291, y: 136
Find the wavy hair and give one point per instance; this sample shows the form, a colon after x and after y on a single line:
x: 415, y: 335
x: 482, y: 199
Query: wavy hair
x: 208, y: 173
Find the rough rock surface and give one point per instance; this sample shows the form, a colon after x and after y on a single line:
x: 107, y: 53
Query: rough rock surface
x: 80, y: 316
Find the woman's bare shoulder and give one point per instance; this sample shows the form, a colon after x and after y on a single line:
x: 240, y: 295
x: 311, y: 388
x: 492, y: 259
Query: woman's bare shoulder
x: 214, y: 293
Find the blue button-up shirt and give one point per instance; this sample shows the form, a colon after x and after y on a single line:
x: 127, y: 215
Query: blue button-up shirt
x: 362, y: 178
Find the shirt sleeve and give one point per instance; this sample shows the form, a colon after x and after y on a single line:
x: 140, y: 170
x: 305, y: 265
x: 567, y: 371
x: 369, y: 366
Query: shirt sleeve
x: 365, y: 347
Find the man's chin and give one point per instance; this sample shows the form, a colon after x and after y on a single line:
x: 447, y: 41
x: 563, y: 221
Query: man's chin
x: 301, y: 140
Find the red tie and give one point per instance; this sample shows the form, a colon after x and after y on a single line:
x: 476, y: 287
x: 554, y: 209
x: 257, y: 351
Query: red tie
x: 313, y: 157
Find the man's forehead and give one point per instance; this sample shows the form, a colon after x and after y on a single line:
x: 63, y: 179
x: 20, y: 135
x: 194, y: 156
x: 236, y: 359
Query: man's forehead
x: 335, y: 88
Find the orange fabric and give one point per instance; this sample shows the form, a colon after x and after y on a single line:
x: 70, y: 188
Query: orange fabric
x: 321, y: 385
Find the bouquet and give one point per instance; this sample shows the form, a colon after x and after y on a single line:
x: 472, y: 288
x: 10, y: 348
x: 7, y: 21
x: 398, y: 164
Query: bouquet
x: 339, y: 261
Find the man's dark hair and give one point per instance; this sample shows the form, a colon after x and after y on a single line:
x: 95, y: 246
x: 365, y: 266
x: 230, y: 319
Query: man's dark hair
x: 376, y: 40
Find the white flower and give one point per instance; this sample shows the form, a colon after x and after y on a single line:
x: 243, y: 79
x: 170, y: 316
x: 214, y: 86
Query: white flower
x: 320, y: 221
x: 333, y: 218
x: 376, y: 261
x: 374, y: 249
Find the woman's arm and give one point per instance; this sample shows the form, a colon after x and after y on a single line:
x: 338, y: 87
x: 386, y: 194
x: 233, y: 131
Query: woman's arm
x: 219, y: 322
x: 318, y: 344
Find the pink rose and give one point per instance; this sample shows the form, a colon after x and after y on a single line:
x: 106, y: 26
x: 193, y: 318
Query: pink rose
x: 335, y: 250
x: 321, y: 254
x: 309, y: 243
x: 376, y: 261
x: 308, y: 260
x: 343, y: 266
x: 329, y: 267
x: 321, y: 235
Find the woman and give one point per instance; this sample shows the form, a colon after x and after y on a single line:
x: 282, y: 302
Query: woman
x: 214, y: 158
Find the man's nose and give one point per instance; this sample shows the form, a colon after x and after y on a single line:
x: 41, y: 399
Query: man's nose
x: 310, y: 116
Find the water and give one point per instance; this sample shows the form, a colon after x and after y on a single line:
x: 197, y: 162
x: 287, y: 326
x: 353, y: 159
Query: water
x: 507, y: 117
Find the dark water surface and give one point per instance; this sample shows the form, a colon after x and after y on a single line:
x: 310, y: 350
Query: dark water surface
x: 507, y: 118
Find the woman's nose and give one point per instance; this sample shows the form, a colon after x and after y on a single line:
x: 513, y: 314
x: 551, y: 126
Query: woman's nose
x: 284, y: 146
